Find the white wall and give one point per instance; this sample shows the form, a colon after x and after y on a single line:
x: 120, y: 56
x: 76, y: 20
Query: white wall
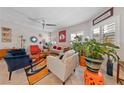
x: 83, y: 27
x: 118, y: 18
x: 87, y: 26
x: 20, y: 25
x: 119, y: 11
x: 17, y: 30
x: 22, y: 29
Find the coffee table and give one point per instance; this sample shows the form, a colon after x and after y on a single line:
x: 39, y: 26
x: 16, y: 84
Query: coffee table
x: 37, y: 59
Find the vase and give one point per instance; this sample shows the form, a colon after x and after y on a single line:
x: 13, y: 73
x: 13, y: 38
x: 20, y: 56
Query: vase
x: 109, y: 67
x: 93, y: 64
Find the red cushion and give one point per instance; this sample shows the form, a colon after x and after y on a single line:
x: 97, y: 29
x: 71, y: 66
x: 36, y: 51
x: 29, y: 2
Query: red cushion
x: 59, y: 48
x: 54, y: 47
x: 35, y: 49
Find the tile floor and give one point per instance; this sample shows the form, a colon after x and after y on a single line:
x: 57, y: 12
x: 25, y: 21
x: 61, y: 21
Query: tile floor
x: 19, y: 77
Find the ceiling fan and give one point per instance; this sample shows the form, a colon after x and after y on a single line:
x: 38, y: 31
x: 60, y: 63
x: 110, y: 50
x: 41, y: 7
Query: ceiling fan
x: 41, y: 21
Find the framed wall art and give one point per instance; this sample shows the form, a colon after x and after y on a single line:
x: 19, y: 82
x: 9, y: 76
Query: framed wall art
x: 6, y: 34
x: 62, y: 36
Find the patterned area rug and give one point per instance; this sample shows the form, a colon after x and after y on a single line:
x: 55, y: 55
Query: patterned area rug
x: 40, y: 70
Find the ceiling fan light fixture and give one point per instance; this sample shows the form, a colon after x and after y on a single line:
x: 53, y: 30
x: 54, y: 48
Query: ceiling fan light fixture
x: 41, y: 21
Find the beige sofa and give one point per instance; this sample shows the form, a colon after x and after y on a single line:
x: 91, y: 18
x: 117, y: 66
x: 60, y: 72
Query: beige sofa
x: 63, y: 68
x: 56, y: 51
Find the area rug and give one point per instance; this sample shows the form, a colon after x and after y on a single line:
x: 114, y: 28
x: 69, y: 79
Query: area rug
x: 40, y: 70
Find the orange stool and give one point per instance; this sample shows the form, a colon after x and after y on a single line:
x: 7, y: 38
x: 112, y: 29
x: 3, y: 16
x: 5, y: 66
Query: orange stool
x: 91, y: 78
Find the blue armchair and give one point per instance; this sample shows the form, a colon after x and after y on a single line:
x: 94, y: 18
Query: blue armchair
x: 17, y: 59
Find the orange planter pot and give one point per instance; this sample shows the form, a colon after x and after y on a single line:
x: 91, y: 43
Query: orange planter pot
x: 82, y: 61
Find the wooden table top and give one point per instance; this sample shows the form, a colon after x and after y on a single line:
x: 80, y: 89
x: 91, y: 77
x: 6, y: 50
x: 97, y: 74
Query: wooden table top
x: 121, y: 63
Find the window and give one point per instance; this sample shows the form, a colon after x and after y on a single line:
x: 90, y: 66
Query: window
x: 109, y: 33
x: 105, y: 33
x: 76, y: 34
x: 97, y: 34
x: 73, y: 37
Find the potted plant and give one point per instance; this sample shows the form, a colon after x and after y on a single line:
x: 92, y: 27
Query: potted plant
x: 77, y: 46
x: 95, y: 51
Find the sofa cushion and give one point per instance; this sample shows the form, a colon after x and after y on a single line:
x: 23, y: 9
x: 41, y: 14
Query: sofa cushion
x: 68, y: 54
x: 35, y: 49
x: 17, y: 52
x: 57, y: 50
x: 8, y: 55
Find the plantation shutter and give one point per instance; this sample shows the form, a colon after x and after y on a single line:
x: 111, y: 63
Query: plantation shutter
x: 109, y: 33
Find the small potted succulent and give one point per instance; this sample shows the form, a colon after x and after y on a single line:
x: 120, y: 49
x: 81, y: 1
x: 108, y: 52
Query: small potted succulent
x: 95, y: 51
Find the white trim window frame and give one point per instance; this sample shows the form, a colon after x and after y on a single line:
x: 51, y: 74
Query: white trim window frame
x: 73, y: 35
x: 115, y: 20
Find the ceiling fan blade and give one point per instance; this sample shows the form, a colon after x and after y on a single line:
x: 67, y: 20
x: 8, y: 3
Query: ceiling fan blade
x: 32, y: 19
x: 43, y: 21
x: 51, y: 25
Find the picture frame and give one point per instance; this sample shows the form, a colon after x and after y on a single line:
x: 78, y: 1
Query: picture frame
x: 6, y: 34
x: 62, y: 36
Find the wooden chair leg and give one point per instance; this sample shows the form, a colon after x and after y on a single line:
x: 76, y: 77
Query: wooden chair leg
x: 118, y: 68
x: 74, y: 70
x: 63, y: 83
x: 49, y: 70
x: 31, y: 68
x: 10, y: 73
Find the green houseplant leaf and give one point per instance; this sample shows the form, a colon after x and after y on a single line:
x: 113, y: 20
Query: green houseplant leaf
x: 96, y: 50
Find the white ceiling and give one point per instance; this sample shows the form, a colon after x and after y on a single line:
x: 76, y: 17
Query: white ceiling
x: 61, y: 16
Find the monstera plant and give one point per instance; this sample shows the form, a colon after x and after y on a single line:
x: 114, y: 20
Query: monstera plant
x: 95, y: 51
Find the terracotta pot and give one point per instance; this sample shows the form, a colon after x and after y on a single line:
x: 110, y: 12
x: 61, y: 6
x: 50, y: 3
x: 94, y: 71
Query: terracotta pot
x: 82, y: 61
x: 93, y: 64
